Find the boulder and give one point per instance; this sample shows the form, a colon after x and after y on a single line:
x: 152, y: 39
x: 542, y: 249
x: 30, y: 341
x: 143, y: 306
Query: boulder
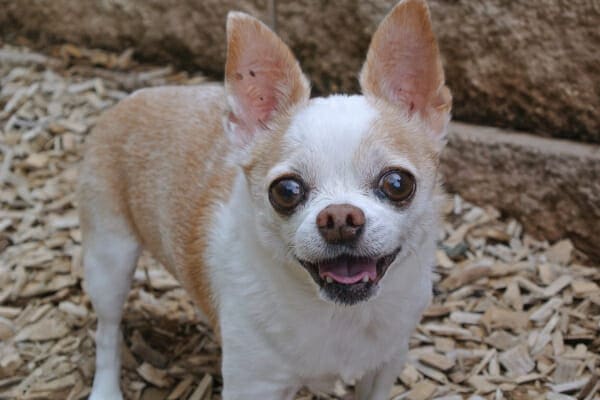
x: 552, y: 186
x: 526, y: 65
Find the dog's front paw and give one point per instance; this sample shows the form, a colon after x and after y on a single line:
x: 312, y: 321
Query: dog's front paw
x: 105, y: 393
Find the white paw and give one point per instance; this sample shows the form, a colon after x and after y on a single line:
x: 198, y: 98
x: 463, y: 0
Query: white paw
x: 105, y: 393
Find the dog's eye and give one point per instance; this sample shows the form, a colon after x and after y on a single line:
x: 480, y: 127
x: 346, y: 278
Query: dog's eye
x: 286, y: 194
x: 397, y: 185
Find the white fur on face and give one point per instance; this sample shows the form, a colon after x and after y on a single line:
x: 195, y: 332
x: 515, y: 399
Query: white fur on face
x: 253, y: 250
x: 325, y: 146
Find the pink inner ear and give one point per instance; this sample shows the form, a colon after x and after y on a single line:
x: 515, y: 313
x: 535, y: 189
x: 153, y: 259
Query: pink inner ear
x: 403, y: 65
x: 262, y: 76
x: 405, y: 91
x: 407, y: 70
x: 256, y: 91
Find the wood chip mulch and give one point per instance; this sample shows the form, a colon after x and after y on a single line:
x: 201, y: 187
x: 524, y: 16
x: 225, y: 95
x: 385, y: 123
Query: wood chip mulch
x: 512, y: 317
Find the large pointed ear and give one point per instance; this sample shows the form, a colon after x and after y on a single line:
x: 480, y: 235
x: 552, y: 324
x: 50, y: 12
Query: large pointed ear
x: 262, y: 77
x: 404, y: 68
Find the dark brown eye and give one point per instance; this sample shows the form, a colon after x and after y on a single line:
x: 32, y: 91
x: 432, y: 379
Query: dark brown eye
x: 397, y: 185
x: 286, y: 194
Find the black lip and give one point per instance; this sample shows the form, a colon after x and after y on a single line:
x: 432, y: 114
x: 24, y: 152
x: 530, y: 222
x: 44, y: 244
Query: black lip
x: 350, y: 294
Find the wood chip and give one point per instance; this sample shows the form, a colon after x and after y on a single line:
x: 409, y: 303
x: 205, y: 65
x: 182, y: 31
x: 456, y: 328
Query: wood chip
x: 581, y: 287
x: 517, y: 361
x: 546, y: 310
x: 447, y: 330
x: 496, y: 317
x: 182, y: 387
x: 481, y: 384
x: 560, y: 252
x: 37, y: 160
x: 513, y: 297
x: 409, y: 376
x: 559, y: 396
x: 591, y: 388
x: 140, y: 348
x: 465, y: 318
x: 569, y: 386
x: 557, y: 286
x: 465, y: 276
x: 565, y: 370
x: 431, y: 373
x: 153, y: 375
x: 423, y: 390
x: 437, y: 361
x: 46, y: 329
x: 203, y: 390
x: 502, y: 340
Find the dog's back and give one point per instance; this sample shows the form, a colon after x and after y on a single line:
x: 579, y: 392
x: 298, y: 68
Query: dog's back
x: 148, y: 166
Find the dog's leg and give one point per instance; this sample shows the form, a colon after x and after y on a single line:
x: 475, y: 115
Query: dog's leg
x: 110, y: 256
x: 377, y: 385
x: 364, y: 386
x: 257, y: 390
x: 250, y: 372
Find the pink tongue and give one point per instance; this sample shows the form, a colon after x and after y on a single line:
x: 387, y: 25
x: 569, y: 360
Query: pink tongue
x: 348, y: 270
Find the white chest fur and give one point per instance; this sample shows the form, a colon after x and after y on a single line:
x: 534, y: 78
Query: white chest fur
x: 274, y: 323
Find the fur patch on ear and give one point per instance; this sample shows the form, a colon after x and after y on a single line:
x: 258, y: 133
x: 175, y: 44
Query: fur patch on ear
x: 403, y: 66
x: 262, y: 76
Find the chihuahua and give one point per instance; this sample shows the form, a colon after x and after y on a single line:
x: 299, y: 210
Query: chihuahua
x: 305, y: 229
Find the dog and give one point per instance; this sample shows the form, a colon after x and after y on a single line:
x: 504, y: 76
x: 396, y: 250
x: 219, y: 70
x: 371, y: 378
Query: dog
x: 304, y: 228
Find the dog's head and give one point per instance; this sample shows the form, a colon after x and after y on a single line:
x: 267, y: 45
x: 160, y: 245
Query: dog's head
x: 341, y: 185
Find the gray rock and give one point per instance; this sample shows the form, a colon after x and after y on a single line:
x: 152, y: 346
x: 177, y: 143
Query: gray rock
x: 552, y: 186
x: 520, y: 64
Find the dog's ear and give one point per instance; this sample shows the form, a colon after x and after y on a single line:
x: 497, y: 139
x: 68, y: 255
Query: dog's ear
x: 403, y: 66
x: 262, y: 76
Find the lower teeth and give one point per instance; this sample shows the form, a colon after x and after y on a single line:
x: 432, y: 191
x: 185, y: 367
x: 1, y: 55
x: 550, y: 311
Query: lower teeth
x: 364, y: 279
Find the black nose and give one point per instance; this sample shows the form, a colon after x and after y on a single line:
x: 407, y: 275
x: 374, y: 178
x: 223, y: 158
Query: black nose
x: 340, y: 223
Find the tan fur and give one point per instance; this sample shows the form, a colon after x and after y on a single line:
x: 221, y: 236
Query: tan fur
x: 157, y: 161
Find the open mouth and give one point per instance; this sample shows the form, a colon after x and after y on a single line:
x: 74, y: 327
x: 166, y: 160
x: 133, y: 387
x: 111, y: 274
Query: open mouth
x: 349, y: 279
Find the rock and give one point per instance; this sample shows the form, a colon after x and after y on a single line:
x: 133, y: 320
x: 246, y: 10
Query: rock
x: 550, y: 185
x: 529, y: 66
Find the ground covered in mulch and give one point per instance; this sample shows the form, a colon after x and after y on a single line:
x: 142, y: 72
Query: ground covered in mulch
x: 512, y: 318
